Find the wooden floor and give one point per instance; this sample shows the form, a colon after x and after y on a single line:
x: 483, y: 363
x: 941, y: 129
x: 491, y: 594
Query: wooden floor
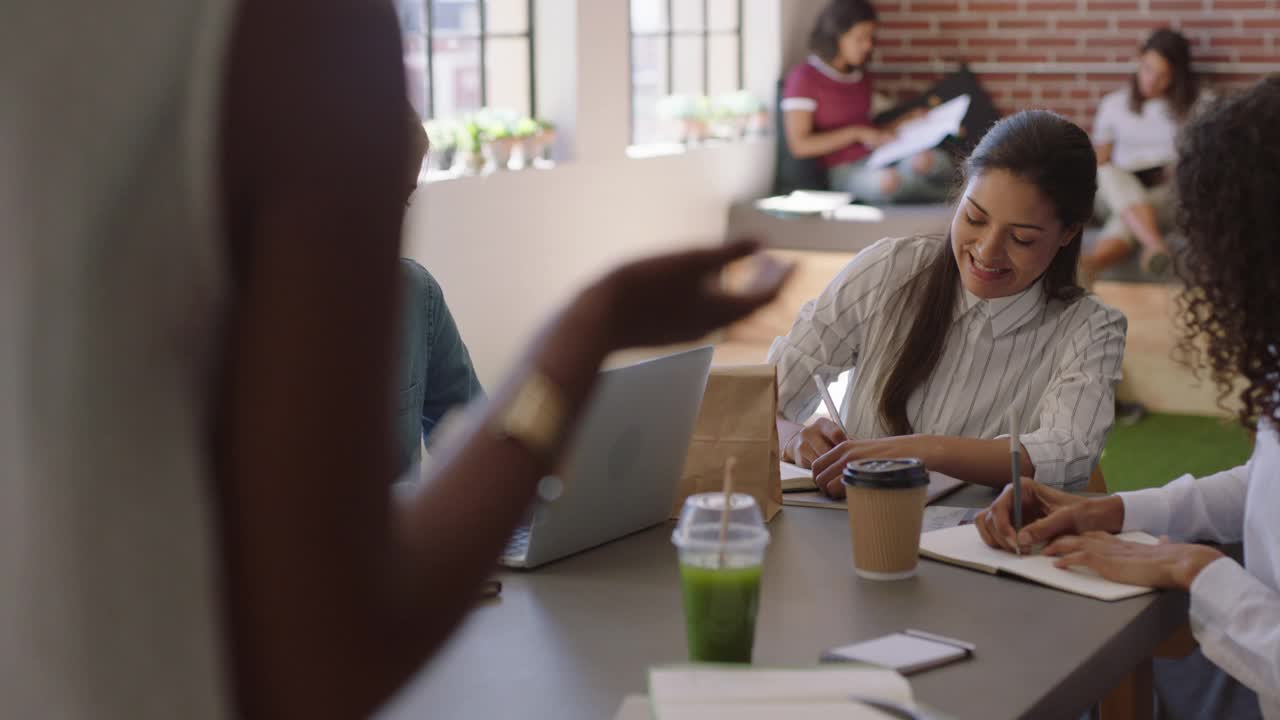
x: 1152, y: 375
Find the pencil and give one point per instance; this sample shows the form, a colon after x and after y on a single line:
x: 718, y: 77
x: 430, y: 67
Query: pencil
x: 831, y: 405
x: 1015, y: 460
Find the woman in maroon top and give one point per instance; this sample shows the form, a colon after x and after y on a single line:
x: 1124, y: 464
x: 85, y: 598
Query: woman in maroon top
x: 827, y: 112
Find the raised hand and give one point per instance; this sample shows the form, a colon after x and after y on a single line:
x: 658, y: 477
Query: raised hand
x: 679, y: 297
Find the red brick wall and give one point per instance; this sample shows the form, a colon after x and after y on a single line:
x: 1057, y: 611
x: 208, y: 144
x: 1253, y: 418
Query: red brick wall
x: 1065, y: 54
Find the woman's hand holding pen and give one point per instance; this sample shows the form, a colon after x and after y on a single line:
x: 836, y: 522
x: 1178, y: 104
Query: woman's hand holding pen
x: 1048, y: 514
x: 1079, y: 532
x: 829, y: 468
x: 813, y: 442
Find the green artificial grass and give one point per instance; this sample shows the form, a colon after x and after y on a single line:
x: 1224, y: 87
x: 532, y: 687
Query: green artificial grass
x: 1160, y: 447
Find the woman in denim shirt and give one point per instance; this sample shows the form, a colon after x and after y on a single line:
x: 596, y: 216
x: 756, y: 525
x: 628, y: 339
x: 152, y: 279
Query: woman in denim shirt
x: 436, y: 372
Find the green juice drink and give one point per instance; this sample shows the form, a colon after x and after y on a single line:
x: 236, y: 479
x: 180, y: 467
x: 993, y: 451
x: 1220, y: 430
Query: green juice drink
x: 720, y: 607
x: 721, y: 553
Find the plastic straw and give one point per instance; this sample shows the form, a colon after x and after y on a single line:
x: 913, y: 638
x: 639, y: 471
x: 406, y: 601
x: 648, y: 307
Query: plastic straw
x: 728, y: 501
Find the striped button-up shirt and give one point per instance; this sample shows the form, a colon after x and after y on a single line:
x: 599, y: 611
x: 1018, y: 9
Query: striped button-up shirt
x: 1055, y: 362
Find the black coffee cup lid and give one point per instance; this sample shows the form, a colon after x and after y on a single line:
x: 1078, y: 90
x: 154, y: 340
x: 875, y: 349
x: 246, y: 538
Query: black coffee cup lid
x: 886, y: 474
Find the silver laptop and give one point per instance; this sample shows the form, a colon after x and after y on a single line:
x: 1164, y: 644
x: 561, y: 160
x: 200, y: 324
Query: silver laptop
x: 625, y: 459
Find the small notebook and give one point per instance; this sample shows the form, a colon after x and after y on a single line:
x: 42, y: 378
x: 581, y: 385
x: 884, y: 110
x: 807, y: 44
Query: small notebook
x: 799, y: 490
x: 691, y: 692
x: 963, y: 546
x: 907, y: 652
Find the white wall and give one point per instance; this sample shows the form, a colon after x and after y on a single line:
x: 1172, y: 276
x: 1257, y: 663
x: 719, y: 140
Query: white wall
x: 511, y: 247
x: 798, y: 17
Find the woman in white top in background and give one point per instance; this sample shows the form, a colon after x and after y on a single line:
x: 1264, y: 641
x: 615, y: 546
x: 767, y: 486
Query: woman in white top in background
x: 1134, y: 132
x: 945, y: 336
x: 188, y: 529
x: 1227, y: 175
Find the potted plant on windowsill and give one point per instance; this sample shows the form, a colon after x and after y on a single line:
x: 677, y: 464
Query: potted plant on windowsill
x: 542, y: 143
x: 686, y: 115
x: 442, y: 139
x: 496, y: 143
x: 722, y: 120
x: 745, y: 112
x: 523, y: 151
x: 757, y: 118
x: 468, y: 158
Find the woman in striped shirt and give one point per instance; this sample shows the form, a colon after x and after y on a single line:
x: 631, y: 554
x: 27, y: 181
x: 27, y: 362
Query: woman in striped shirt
x: 944, y: 337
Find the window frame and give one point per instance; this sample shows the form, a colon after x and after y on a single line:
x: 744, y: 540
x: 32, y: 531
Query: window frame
x: 670, y: 34
x: 482, y: 37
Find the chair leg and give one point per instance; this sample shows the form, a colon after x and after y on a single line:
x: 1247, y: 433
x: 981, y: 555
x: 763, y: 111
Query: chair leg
x: 1132, y: 699
x: 1178, y: 645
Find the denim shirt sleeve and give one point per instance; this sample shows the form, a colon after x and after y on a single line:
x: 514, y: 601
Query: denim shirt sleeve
x: 451, y: 378
x: 436, y: 370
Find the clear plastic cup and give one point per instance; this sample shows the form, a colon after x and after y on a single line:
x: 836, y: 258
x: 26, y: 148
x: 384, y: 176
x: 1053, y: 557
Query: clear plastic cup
x: 720, y: 581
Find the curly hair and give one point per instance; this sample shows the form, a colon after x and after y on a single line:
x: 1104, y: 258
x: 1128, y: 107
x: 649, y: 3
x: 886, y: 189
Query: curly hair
x: 1228, y: 183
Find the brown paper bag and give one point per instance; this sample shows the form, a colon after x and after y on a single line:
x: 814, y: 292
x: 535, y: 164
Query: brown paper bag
x: 737, y: 419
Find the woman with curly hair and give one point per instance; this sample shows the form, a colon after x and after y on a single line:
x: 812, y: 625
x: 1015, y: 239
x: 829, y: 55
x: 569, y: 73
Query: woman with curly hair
x: 1227, y: 177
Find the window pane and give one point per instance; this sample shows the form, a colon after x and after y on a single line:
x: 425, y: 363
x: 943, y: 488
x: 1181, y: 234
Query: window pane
x: 507, y: 16
x: 686, y: 60
x: 722, y: 14
x: 451, y: 17
x: 648, y: 15
x: 413, y: 38
x: 686, y: 15
x: 648, y: 84
x: 507, y: 73
x: 724, y: 64
x: 457, y: 76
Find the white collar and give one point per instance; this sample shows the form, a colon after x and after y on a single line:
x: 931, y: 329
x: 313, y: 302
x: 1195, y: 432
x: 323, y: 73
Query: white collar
x: 1006, y: 313
x: 853, y: 76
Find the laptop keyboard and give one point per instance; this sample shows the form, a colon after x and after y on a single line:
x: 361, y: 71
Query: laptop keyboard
x: 518, y: 546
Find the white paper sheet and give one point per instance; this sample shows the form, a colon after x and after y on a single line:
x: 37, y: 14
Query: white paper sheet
x: 923, y: 133
x: 804, y: 202
x: 937, y: 517
x: 794, y: 477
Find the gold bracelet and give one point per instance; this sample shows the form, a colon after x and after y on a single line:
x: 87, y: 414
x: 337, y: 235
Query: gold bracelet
x: 534, y: 416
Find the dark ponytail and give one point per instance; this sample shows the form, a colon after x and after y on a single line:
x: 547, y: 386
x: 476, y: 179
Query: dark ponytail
x: 1041, y: 148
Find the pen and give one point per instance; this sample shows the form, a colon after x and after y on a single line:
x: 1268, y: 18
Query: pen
x: 831, y: 405
x: 968, y: 647
x: 1015, y: 459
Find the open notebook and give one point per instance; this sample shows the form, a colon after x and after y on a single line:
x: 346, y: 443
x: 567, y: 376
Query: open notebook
x: 795, y: 478
x: 963, y: 546
x: 798, y: 488
x: 690, y: 692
